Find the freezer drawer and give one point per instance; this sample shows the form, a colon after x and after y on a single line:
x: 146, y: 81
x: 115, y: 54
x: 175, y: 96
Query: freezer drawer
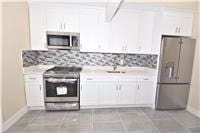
x: 172, y: 96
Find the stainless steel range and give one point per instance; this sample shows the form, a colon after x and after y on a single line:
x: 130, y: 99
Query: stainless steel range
x: 62, y: 86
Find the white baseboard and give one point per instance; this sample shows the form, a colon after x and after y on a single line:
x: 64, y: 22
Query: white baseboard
x: 14, y: 118
x: 193, y: 111
x: 114, y: 106
x: 36, y: 108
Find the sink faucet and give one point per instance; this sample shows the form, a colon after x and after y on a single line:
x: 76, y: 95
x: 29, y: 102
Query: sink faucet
x: 115, y: 63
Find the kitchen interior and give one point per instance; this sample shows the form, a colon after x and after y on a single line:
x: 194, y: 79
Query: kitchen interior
x: 100, y: 66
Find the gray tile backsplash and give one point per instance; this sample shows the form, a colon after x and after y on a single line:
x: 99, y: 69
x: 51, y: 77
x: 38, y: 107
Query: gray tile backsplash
x: 75, y: 58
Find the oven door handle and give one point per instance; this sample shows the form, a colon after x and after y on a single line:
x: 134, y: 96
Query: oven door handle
x: 54, y: 80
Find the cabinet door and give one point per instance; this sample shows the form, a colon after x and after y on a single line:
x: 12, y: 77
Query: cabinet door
x: 131, y: 34
x: 55, y: 20
x: 127, y: 93
x: 89, y: 94
x: 170, y: 25
x: 37, y: 28
x: 108, y: 93
x: 105, y: 34
x: 89, y: 30
x: 144, y: 93
x: 34, y: 94
x: 186, y: 23
x: 146, y: 32
x: 124, y: 31
x: 177, y: 23
x: 116, y: 33
x: 71, y: 19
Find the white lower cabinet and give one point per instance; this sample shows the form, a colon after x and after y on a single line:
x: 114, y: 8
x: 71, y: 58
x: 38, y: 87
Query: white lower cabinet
x: 108, y: 93
x: 34, y: 90
x: 117, y: 92
x: 127, y: 93
x: 144, y: 93
x: 89, y: 94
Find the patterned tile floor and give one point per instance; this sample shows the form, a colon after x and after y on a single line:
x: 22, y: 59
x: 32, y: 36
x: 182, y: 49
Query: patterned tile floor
x: 112, y: 120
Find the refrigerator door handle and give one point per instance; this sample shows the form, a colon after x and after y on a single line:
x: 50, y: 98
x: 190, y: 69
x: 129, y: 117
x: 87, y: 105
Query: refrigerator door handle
x: 170, y: 71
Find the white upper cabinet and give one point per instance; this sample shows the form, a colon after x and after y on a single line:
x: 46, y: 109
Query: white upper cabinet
x: 64, y: 19
x: 146, y: 32
x: 90, y: 30
x: 124, y: 30
x: 178, y: 23
x: 38, y: 28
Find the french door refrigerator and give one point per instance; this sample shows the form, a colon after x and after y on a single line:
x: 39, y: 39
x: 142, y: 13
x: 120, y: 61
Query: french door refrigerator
x: 175, y: 70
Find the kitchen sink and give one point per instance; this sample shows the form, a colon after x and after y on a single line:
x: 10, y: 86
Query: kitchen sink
x: 116, y: 72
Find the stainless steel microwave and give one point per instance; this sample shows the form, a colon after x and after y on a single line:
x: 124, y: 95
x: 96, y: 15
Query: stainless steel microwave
x: 63, y: 40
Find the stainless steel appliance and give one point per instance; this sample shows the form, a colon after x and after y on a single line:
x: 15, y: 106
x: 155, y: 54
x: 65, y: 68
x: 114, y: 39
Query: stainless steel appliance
x: 63, y: 40
x: 175, y: 70
x: 62, y: 86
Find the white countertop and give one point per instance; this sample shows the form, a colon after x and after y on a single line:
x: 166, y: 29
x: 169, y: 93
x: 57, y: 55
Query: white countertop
x: 129, y: 71
x: 38, y: 69
x: 97, y: 70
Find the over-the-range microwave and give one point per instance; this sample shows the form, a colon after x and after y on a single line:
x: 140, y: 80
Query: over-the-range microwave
x: 63, y: 40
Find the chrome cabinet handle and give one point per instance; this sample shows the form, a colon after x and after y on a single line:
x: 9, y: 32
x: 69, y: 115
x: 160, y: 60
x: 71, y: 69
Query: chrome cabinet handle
x: 64, y: 26
x: 179, y: 30
x: 89, y: 79
x: 40, y: 87
x: 176, y: 31
x: 145, y: 79
x: 116, y: 87
x: 99, y: 47
x: 120, y: 87
x: 138, y: 87
x: 125, y: 47
x: 61, y: 26
x: 33, y: 78
x: 122, y: 48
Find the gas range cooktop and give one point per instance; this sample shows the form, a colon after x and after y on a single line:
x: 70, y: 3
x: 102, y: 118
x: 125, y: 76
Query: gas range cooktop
x: 63, y: 72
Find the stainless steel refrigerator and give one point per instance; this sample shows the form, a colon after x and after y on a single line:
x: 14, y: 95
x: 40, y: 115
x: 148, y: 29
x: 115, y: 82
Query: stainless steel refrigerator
x: 175, y: 70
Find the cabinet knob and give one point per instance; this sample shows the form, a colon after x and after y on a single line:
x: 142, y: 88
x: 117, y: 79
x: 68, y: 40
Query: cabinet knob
x: 116, y: 87
x: 40, y: 87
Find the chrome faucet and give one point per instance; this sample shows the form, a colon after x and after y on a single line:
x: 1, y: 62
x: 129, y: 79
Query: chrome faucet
x: 115, y: 63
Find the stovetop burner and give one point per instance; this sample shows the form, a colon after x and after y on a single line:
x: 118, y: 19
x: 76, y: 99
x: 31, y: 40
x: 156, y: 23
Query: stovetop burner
x: 63, y: 72
x: 65, y: 69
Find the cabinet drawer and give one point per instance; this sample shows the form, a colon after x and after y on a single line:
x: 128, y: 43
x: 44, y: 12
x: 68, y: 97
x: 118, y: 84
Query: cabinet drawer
x: 33, y: 78
x: 146, y: 78
x: 98, y: 78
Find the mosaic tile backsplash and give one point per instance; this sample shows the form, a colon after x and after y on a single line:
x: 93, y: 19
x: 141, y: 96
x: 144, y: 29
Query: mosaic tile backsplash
x: 75, y: 58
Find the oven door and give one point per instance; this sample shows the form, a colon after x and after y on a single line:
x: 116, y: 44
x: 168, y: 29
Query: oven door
x: 61, y: 90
